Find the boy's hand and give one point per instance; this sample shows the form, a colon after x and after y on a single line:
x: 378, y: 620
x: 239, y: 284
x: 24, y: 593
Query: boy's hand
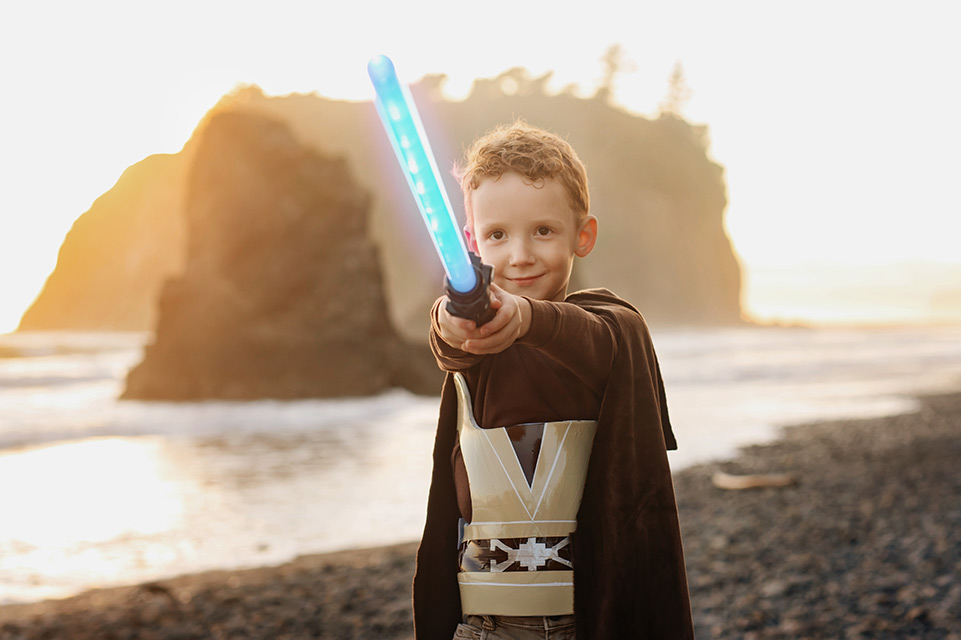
x: 512, y: 321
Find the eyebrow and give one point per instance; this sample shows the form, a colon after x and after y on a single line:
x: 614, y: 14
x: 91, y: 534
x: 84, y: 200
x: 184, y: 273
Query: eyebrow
x: 541, y: 222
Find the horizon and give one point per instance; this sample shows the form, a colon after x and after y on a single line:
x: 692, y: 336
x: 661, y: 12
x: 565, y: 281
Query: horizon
x: 838, y: 149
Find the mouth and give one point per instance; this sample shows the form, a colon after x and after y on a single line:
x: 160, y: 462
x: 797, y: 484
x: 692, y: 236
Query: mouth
x: 526, y: 280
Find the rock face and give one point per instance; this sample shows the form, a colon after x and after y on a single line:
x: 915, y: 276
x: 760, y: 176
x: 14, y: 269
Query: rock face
x: 281, y: 295
x: 118, y: 254
x: 660, y: 200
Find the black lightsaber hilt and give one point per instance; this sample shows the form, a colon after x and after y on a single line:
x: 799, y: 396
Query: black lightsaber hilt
x: 475, y: 304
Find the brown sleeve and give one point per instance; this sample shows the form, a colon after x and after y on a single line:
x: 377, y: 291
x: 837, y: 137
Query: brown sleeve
x: 581, y: 341
x: 450, y: 359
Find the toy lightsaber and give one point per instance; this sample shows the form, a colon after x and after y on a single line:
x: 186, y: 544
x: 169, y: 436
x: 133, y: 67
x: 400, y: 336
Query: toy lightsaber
x: 468, y: 280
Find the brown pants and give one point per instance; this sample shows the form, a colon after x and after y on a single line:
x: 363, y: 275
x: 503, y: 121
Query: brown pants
x: 515, y: 628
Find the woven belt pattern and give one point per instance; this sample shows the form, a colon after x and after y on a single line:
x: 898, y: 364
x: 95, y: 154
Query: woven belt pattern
x: 517, y: 554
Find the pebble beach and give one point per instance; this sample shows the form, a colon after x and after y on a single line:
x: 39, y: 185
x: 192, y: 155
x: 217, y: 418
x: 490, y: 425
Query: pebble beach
x: 863, y: 542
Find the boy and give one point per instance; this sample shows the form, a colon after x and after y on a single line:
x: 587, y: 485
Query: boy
x: 553, y: 430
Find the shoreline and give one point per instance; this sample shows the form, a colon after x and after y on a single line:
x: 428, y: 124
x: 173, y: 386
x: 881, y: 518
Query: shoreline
x: 865, y: 544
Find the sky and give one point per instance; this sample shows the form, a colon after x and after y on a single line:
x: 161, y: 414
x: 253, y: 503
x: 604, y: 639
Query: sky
x: 837, y: 122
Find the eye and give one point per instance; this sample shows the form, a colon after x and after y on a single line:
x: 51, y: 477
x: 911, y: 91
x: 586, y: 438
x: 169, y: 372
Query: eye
x: 544, y: 231
x: 496, y: 235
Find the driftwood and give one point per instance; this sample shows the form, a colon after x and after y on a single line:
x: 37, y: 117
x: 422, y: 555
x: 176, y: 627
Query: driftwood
x: 723, y: 480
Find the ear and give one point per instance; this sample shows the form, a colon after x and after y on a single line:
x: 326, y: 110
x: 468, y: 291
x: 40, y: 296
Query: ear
x: 586, y: 237
x: 471, y: 240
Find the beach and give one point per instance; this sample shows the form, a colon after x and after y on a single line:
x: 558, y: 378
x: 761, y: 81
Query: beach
x: 864, y: 542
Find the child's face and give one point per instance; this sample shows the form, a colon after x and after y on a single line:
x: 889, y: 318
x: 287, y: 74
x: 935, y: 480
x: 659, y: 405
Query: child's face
x: 529, y: 234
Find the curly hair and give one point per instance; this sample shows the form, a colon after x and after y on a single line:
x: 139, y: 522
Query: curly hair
x: 534, y: 153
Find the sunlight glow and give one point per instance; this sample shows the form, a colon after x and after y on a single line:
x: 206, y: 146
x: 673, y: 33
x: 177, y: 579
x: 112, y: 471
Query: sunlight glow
x: 832, y: 152
x: 90, y: 491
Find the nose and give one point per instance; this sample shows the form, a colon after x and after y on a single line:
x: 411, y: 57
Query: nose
x: 521, y: 253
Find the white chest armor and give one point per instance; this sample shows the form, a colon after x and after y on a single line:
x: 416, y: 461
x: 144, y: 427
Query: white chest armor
x: 513, y: 517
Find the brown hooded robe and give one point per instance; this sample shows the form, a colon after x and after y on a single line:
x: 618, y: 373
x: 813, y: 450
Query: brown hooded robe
x: 629, y: 578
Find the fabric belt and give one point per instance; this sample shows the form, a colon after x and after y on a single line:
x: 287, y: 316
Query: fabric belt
x: 517, y: 554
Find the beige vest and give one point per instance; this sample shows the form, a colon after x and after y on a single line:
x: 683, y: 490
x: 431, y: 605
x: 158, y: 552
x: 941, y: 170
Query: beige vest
x: 504, y: 505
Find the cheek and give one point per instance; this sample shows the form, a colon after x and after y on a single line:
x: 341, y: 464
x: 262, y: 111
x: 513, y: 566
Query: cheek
x: 557, y: 255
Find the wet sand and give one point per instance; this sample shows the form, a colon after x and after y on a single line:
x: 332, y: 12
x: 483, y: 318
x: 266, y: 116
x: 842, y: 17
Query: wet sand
x: 865, y: 544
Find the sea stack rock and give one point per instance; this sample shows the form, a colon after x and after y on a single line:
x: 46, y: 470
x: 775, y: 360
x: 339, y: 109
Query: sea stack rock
x: 282, y: 294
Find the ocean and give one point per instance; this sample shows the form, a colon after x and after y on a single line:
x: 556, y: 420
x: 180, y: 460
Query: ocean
x: 98, y: 492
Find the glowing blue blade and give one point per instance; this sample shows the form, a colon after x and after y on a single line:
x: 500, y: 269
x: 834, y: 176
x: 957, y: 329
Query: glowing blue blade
x: 399, y: 115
